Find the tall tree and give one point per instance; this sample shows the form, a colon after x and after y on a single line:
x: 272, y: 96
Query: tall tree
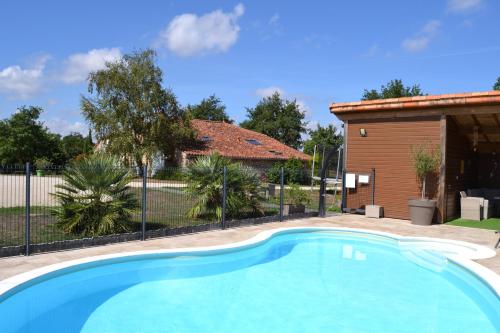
x: 131, y: 113
x: 496, y: 86
x: 74, y: 144
x: 278, y: 118
x: 89, y: 144
x: 394, y: 89
x: 324, y: 137
x: 24, y: 138
x: 210, y: 108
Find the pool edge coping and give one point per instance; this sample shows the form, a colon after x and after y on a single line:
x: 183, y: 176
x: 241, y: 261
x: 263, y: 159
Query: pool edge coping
x: 459, y: 252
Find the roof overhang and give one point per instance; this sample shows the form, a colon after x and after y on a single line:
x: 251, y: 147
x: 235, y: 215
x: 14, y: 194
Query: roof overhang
x: 420, y: 106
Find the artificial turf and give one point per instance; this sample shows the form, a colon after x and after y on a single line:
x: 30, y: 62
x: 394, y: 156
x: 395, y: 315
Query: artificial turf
x: 491, y: 223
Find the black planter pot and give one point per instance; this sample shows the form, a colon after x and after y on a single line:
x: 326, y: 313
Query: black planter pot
x: 422, y: 211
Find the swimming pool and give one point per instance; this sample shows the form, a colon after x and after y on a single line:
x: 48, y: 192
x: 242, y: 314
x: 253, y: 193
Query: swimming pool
x: 299, y: 280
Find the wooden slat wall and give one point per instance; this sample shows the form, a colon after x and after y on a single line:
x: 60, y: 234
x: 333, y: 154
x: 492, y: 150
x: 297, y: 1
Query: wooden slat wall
x: 387, y: 149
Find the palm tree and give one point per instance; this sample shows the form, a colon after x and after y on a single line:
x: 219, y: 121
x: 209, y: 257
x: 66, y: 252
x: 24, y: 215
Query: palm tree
x: 95, y: 198
x: 205, y: 186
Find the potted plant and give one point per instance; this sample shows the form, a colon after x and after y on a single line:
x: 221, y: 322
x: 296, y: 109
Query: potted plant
x: 41, y: 164
x: 297, y: 199
x: 426, y: 161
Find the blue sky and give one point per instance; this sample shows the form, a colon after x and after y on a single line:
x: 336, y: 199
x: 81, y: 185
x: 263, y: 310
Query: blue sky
x: 314, y: 51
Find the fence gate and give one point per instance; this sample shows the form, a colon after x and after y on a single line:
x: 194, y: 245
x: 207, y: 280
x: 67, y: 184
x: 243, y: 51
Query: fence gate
x: 358, y: 190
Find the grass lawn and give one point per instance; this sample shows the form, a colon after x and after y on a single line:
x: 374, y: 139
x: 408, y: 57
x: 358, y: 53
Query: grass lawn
x: 491, y: 224
x: 167, y: 207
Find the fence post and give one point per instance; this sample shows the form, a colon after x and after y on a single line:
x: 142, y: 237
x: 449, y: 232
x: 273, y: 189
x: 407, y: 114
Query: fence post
x: 27, y: 213
x: 373, y: 186
x: 224, y: 196
x: 282, y: 192
x: 344, y: 193
x: 322, y: 196
x: 144, y: 200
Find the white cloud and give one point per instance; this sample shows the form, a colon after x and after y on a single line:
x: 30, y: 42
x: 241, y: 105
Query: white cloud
x: 274, y: 19
x: 303, y: 106
x: 312, y: 125
x: 317, y: 41
x: 461, y: 6
x: 416, y: 44
x: 467, y: 23
x: 78, y: 66
x: 422, y: 39
x: 19, y: 82
x: 189, y: 34
x: 274, y: 27
x: 372, y: 51
x: 64, y: 127
x: 269, y: 91
x: 431, y: 27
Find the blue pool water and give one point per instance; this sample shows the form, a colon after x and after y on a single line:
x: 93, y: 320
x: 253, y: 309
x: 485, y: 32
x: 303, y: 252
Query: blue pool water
x: 293, y: 282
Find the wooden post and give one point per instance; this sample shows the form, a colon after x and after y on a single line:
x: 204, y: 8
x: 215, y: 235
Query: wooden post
x: 441, y: 199
x: 346, y: 133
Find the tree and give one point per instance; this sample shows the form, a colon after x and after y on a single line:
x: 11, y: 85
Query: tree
x: 74, y: 144
x: 394, y: 89
x: 497, y: 84
x: 426, y: 160
x: 89, y: 144
x: 210, y: 108
x: 323, y: 137
x: 294, y: 172
x: 131, y: 113
x: 95, y: 198
x: 204, y: 184
x: 280, y: 119
x: 24, y: 138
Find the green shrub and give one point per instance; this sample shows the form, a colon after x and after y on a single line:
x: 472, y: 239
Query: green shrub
x: 95, y: 198
x: 293, y: 169
x: 273, y: 173
x: 334, y: 209
x: 169, y: 174
x: 42, y: 163
x: 297, y: 196
x: 205, y: 185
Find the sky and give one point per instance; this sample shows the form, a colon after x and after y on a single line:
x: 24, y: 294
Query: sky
x: 316, y: 52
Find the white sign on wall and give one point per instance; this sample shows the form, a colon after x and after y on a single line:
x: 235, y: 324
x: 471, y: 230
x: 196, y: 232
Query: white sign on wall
x: 350, y: 180
x: 363, y: 179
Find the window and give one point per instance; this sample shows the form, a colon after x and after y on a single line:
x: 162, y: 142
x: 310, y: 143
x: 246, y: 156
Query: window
x: 253, y: 142
x: 275, y: 152
x: 206, y: 138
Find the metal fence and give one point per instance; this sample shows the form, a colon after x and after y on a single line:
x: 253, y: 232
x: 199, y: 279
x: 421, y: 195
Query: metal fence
x: 165, y: 199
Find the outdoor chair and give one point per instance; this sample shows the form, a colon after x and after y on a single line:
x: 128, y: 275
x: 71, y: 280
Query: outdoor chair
x: 474, y: 208
x: 498, y: 242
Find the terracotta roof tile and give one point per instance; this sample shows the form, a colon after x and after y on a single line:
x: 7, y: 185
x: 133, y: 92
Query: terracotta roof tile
x: 231, y: 141
x: 419, y: 102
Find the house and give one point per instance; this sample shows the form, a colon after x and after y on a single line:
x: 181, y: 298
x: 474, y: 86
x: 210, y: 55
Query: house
x: 379, y: 134
x: 238, y: 144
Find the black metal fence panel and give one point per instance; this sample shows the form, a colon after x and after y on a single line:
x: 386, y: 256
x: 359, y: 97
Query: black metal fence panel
x: 156, y: 203
x: 12, y: 205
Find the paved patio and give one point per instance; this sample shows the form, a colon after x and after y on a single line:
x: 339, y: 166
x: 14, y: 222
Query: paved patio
x: 15, y: 265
